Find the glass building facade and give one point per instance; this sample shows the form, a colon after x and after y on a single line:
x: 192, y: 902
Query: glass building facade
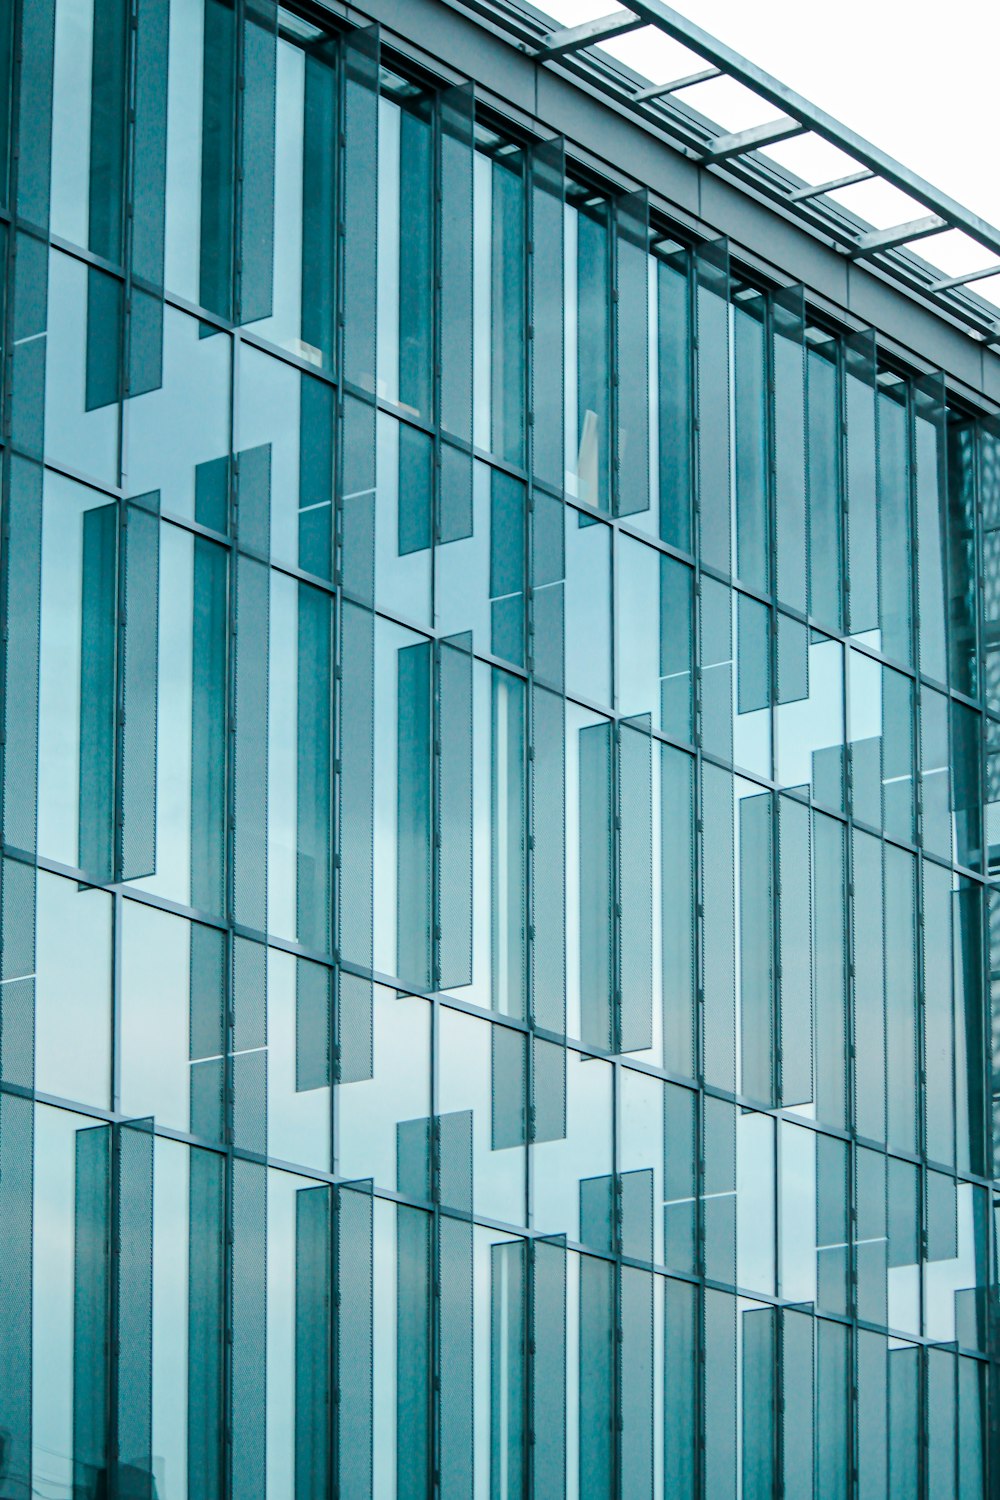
x: 499, y: 720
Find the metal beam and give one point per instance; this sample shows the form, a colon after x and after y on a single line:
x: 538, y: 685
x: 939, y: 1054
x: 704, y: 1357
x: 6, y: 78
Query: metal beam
x: 659, y: 89
x: 900, y: 234
x: 803, y: 194
x: 754, y: 139
x: 673, y: 24
x: 572, y: 38
x: 950, y: 281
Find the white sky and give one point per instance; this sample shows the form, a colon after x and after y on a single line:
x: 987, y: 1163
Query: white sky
x: 916, y: 79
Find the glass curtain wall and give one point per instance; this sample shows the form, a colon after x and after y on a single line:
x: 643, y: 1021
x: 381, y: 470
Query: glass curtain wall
x: 500, y: 749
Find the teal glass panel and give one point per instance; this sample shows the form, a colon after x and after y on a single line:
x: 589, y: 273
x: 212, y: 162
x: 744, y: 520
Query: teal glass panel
x: 904, y: 1421
x: 798, y: 1404
x: 16, y: 1220
x: 548, y: 1391
x: 681, y: 1387
x: 6, y: 86
x: 91, y: 1308
x: 752, y: 426
x: 248, y: 1340
x: 759, y: 1327
x: 720, y: 1409
x: 319, y: 205
x: 313, y: 1403
x: 509, y: 845
x: 507, y: 561
x: 312, y: 1026
x: 107, y: 130
x: 938, y: 1020
x: 832, y: 1224
x: 969, y: 918
x: 719, y: 1189
x: 966, y: 785
x: 98, y: 698
x: 964, y: 651
x: 414, y: 814
x: 28, y: 302
x: 872, y: 1396
x: 548, y: 176
x: 34, y: 118
x: 830, y: 967
x: 972, y: 1409
x: 833, y: 1410
x: 988, y: 478
x: 133, y: 1317
x: 597, y: 1375
x: 138, y: 673
x: 315, y: 477
x: 757, y: 968
x: 869, y: 986
x: 258, y: 68
x: 455, y: 1416
x: 509, y: 1088
x: 508, y: 293
x: 676, y: 648
x: 354, y: 874
x: 548, y: 865
x: 455, y: 250
x: 825, y: 529
x: 360, y: 60
x: 631, y: 325
x: 636, y: 1299
x: 591, y: 447
x: 861, y: 482
x: 789, y: 375
x: 206, y: 1327
x: 149, y: 186
x: 596, y: 886
x: 718, y: 939
x: 250, y: 759
x: 22, y: 574
x: 871, y: 1228
x: 795, y: 950
x: 314, y: 743
x: 634, y: 886
x: 218, y: 156
x: 207, y: 1040
x: 416, y: 256
x: 673, y: 302
x: 355, y: 1394
x: 901, y: 1005
x: 931, y: 462
x: 716, y: 668
x: 210, y: 630
x: 941, y: 1451
x: 547, y: 604
x: 680, y: 1112
x: 508, y: 1344
x: 453, y: 835
x: 895, y: 531
x: 935, y: 773
x: 711, y: 263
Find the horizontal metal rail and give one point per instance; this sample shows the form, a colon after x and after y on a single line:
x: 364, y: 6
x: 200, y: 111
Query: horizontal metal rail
x: 737, y: 154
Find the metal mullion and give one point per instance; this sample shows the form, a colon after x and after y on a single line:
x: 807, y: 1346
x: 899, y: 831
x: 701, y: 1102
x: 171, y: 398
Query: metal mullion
x: 236, y: 206
x: 850, y: 1070
x: 230, y: 876
x: 434, y: 1394
x: 771, y: 527
x: 698, y: 873
x: 527, y: 545
x: 113, y: 1344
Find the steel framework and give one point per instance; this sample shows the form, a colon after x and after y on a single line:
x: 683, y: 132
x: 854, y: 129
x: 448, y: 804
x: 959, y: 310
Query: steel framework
x: 576, y: 50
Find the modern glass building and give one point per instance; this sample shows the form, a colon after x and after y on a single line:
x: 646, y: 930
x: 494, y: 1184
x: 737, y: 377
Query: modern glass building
x: 499, y: 718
